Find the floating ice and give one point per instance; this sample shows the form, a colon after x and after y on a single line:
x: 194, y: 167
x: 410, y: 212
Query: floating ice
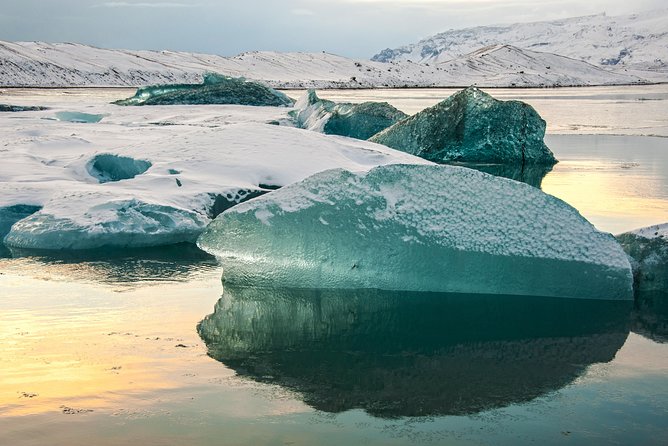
x: 109, y: 167
x: 471, y: 126
x: 359, y: 121
x: 397, y: 353
x: 420, y: 228
x: 648, y: 249
x: 129, y: 223
x: 193, y: 174
x: 215, y: 89
x: 11, y: 214
x: 84, y: 118
x: 20, y: 108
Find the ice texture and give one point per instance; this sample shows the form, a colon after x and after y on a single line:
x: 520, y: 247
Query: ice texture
x: 419, y: 228
x: 215, y: 89
x: 20, y: 108
x: 396, y: 353
x: 79, y: 117
x: 359, y: 121
x: 110, y: 167
x: 648, y: 250
x: 128, y: 223
x: 471, y: 126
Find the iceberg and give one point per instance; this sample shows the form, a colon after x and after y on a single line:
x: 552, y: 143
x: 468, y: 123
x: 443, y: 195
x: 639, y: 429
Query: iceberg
x: 648, y: 251
x: 397, y: 354
x: 215, y: 89
x: 418, y: 228
x: 117, y: 223
x: 20, y: 108
x: 360, y: 121
x: 471, y: 126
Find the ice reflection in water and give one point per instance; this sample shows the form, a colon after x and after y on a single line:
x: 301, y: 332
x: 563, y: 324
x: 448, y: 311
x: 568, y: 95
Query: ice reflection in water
x: 128, y: 267
x: 411, y: 354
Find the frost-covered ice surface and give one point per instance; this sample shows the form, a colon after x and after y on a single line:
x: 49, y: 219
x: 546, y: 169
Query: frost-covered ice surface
x: 359, y: 121
x: 214, y: 89
x: 152, y: 176
x: 472, y: 126
x: 419, y: 228
x: 648, y: 250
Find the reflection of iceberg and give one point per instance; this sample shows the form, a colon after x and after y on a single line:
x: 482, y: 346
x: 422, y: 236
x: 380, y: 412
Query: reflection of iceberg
x: 408, y: 354
x: 215, y: 89
x: 419, y: 228
x: 359, y: 121
x: 471, y: 126
x: 122, y: 266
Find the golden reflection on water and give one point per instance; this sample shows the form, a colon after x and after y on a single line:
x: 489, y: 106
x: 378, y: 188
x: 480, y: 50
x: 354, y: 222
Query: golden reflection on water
x: 86, y: 347
x: 610, y: 197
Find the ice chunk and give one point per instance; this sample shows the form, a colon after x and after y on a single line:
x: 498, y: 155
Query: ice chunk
x: 648, y: 249
x: 122, y: 223
x: 109, y: 167
x: 411, y: 354
x: 11, y: 214
x: 215, y: 89
x: 359, y: 121
x: 471, y: 126
x: 84, y: 118
x: 420, y: 228
x: 20, y: 108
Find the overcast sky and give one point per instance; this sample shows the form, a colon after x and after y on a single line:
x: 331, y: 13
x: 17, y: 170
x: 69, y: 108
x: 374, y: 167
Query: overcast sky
x: 354, y: 28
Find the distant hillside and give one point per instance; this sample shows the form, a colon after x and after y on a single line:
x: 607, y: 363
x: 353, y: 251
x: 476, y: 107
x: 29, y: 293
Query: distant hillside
x: 505, y: 65
x: 38, y: 64
x: 633, y: 42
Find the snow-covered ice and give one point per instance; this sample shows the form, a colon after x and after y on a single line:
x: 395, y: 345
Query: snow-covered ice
x: 418, y: 228
x: 146, y: 176
x: 471, y: 126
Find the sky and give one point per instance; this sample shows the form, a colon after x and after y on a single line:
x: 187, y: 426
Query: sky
x: 353, y: 28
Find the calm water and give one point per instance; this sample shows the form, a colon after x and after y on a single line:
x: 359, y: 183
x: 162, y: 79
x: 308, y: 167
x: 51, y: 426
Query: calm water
x: 146, y: 347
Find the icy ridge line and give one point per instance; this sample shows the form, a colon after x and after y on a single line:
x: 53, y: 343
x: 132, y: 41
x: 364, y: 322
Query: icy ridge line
x: 39, y: 64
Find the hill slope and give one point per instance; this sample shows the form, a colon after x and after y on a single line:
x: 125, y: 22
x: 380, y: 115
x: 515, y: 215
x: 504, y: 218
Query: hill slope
x: 37, y: 64
x: 637, y: 42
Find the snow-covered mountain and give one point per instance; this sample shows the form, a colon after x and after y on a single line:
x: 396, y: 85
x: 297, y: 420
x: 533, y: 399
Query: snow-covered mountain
x: 38, y: 64
x: 509, y: 66
x: 638, y: 41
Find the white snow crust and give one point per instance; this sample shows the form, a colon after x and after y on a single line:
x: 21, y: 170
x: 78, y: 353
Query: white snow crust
x: 655, y: 231
x: 196, y: 153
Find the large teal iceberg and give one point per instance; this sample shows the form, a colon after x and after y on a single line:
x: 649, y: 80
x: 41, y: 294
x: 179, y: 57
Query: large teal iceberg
x: 471, y: 126
x: 419, y: 228
x: 359, y: 121
x: 215, y: 89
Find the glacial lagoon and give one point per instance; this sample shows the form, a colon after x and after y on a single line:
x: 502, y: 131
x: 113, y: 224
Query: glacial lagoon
x: 146, y: 346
